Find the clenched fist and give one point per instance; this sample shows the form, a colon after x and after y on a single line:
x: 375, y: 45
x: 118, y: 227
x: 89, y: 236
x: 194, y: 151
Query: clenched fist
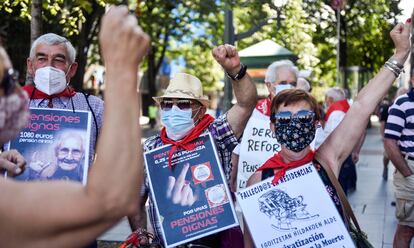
x: 227, y: 56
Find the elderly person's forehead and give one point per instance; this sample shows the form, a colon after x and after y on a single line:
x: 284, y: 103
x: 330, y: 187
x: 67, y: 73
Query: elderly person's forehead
x: 58, y: 50
x: 74, y: 141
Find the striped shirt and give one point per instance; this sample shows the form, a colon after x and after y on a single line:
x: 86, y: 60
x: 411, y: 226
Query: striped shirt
x: 225, y: 141
x: 400, y: 123
x: 78, y: 102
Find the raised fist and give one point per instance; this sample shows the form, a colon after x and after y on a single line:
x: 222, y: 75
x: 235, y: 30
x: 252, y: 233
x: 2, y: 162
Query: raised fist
x: 227, y: 56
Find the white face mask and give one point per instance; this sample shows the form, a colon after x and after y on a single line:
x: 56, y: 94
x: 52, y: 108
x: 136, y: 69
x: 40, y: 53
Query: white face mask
x: 50, y: 80
x: 281, y: 87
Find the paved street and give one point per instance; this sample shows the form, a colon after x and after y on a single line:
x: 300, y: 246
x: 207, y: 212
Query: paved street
x: 371, y: 201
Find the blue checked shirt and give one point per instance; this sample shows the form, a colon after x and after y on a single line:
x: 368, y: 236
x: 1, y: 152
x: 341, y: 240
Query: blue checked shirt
x: 225, y: 142
x: 79, y: 103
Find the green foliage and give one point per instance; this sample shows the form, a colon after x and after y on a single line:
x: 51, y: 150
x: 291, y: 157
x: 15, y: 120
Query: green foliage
x: 203, y: 66
x: 173, y: 25
x: 191, y: 28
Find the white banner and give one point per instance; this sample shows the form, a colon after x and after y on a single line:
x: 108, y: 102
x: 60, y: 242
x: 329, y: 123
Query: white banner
x: 297, y: 212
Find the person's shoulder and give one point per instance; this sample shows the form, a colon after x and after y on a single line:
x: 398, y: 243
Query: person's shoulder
x: 91, y: 98
x: 403, y: 99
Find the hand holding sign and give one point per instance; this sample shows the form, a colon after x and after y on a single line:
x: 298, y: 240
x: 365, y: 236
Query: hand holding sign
x: 13, y: 162
x: 179, y: 190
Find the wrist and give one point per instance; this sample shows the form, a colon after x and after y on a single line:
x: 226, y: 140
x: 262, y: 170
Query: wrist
x: 400, y: 57
x: 239, y: 74
x: 235, y: 70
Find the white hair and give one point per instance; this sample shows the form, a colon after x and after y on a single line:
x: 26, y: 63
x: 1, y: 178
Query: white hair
x: 303, y: 84
x: 52, y: 39
x: 272, y: 69
x: 336, y: 93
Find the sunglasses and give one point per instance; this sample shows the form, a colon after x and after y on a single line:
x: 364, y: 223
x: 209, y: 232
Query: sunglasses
x: 181, y: 104
x: 304, y: 116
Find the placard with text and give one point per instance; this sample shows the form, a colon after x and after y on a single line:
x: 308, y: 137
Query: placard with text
x: 192, y: 198
x: 55, y: 144
x: 258, y: 144
x: 296, y: 212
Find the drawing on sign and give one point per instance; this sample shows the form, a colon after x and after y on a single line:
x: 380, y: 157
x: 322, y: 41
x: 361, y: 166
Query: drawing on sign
x: 284, y: 208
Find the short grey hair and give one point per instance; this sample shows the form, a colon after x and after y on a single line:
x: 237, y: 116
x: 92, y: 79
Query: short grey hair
x: 52, y: 39
x: 272, y: 69
x: 336, y: 93
x: 303, y: 84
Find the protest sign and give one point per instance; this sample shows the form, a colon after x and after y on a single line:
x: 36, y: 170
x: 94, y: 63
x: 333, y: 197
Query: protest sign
x: 296, y: 212
x: 257, y: 146
x: 55, y: 144
x: 200, y: 170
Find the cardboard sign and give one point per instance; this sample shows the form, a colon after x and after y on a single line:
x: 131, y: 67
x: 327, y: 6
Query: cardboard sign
x: 257, y: 146
x: 208, y: 206
x: 297, y: 212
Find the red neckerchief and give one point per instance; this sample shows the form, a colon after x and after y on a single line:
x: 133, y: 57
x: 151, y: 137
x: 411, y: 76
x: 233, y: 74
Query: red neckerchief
x: 264, y: 106
x: 37, y: 94
x: 342, y: 105
x: 276, y: 162
x: 185, y: 143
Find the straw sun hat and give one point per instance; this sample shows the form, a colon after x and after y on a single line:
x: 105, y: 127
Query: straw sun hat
x: 184, y: 86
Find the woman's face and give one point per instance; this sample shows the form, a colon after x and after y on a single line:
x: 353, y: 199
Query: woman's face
x: 295, y: 126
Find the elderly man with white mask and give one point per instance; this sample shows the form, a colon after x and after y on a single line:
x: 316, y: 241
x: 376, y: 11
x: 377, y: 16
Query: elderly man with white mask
x: 52, y: 65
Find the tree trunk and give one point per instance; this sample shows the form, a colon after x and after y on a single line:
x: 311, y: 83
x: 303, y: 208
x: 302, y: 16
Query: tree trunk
x: 151, y: 77
x: 36, y: 23
x: 88, y: 31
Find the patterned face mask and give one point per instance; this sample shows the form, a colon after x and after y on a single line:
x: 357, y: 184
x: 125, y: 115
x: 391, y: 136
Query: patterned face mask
x: 297, y: 132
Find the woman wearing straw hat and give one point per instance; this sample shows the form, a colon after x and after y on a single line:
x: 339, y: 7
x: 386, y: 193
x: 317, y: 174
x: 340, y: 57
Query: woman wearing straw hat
x: 183, y: 115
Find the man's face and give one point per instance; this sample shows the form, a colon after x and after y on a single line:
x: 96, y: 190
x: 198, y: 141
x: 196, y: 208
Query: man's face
x: 284, y: 76
x: 196, y: 107
x: 51, y: 55
x: 70, y: 153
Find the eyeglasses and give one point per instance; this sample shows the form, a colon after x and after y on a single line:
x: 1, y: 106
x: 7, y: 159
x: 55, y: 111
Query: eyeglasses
x: 181, y: 104
x: 65, y: 151
x: 304, y: 116
x: 10, y: 80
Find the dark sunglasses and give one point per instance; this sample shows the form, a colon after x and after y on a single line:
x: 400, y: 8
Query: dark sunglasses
x: 181, y: 104
x: 10, y: 80
x: 284, y: 117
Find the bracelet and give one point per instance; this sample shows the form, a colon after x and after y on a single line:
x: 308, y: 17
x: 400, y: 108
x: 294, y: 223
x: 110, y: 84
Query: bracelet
x: 240, y: 74
x: 392, y: 69
x: 395, y: 63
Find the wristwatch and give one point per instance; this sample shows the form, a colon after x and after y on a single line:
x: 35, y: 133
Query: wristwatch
x: 240, y: 74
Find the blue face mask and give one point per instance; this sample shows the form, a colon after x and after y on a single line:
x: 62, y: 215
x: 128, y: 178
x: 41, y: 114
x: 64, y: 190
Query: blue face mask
x: 177, y: 122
